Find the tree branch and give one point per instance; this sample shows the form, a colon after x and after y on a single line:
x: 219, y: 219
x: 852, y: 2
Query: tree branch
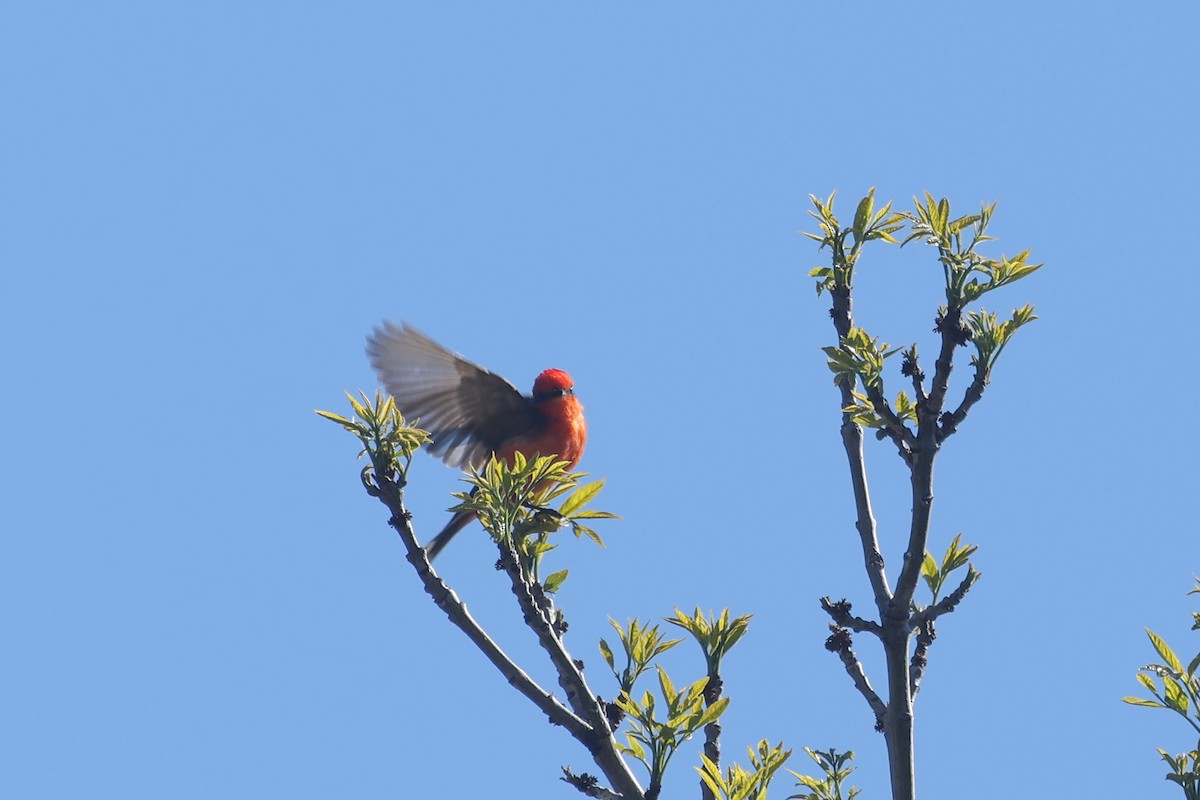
x: 918, y: 536
x: 840, y: 613
x: 954, y: 333
x: 923, y: 622
x: 539, y: 616
x: 950, y: 601
x: 894, y: 427
x: 974, y: 393
x: 898, y: 723
x: 920, y: 658
x: 712, y: 731
x: 588, y: 724
x: 840, y: 642
x: 912, y: 368
x: 852, y: 440
x: 588, y: 785
x: 456, y: 611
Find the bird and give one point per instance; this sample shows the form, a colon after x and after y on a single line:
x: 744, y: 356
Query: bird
x: 471, y: 413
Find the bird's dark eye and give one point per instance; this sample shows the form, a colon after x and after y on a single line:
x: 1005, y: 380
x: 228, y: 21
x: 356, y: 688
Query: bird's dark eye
x: 553, y: 393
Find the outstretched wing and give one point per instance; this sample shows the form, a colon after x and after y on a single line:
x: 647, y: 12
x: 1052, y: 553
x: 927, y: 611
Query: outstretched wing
x: 468, y: 411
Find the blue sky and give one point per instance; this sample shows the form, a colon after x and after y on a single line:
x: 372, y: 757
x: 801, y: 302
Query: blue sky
x: 205, y: 207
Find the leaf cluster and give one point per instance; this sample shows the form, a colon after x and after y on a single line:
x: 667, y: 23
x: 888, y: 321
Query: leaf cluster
x: 388, y: 440
x: 869, y: 225
x: 968, y: 274
x: 858, y: 356
x: 715, y: 635
x: 642, y: 644
x: 655, y: 736
x: 863, y: 411
x: 659, y: 725
x: 957, y: 555
x: 1180, y: 693
x: 990, y: 336
x: 513, y: 502
x: 837, y: 769
x: 1185, y: 771
x: 738, y: 783
x: 1180, y: 690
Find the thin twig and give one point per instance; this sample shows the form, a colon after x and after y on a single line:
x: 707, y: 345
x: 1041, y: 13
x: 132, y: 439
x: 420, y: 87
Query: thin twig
x: 920, y: 658
x: 588, y: 785
x: 840, y: 613
x: 918, y: 380
x: 923, y: 622
x: 894, y: 427
x: 950, y: 601
x: 974, y: 393
x: 839, y: 643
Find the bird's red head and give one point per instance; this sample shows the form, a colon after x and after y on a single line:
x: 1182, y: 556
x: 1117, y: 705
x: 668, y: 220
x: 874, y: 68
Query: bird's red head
x: 552, y: 383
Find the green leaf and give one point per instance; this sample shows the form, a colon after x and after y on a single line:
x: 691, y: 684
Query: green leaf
x: 554, y: 581
x: 1175, y: 697
x: 334, y: 417
x: 959, y: 224
x: 862, y: 215
x: 1165, y: 652
x: 589, y: 514
x: 713, y: 712
x: 358, y: 407
x: 580, y: 497
x: 634, y: 748
x: 1138, y: 701
x: 582, y: 530
x: 607, y: 652
x: 668, y: 688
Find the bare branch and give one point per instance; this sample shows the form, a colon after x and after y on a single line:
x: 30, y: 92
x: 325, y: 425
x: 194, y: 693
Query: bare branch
x: 840, y: 613
x: 912, y: 368
x: 840, y: 642
x: 588, y: 785
x: 923, y: 622
x: 954, y: 333
x: 918, y: 537
x: 950, y: 601
x: 949, y: 422
x: 920, y: 658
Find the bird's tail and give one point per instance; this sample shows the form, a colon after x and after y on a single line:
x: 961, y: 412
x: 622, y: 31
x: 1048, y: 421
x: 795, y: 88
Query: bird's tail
x: 456, y: 524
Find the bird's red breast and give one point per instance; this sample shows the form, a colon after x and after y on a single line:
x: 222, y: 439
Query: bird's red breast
x: 564, y: 432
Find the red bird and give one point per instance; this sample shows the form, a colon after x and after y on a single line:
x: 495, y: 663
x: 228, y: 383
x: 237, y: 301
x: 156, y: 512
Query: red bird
x: 471, y: 413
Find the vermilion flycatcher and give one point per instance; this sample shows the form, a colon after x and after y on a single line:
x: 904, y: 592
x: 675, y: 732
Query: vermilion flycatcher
x: 471, y: 413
